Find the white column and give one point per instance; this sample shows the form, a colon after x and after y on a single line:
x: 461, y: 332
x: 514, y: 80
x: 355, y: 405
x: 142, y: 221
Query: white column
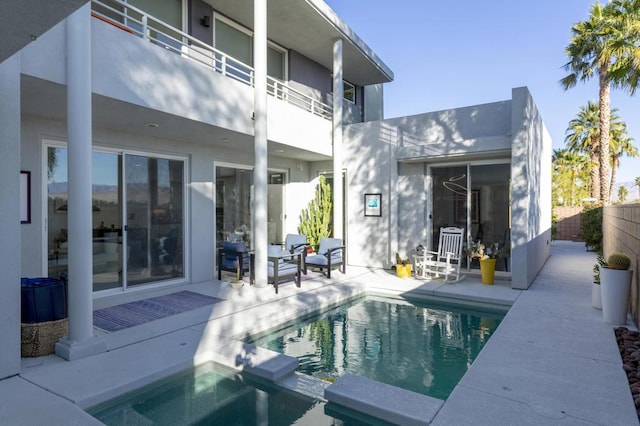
x: 260, y: 230
x: 338, y: 95
x: 10, y: 258
x: 80, y: 342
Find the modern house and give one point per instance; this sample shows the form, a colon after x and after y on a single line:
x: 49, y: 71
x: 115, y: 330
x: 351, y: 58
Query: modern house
x: 151, y: 131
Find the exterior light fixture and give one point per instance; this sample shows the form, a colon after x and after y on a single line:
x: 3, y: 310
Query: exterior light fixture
x: 205, y: 21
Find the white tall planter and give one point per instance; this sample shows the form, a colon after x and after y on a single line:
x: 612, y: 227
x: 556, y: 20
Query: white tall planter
x: 615, y: 286
x: 596, y: 296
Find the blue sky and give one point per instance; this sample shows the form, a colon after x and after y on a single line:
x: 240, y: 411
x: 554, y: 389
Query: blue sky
x: 447, y: 54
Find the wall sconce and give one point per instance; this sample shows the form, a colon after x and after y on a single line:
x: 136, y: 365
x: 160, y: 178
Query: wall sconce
x: 205, y: 21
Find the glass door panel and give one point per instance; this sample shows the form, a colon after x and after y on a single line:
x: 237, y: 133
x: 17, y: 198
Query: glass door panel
x: 490, y: 217
x: 155, y: 225
x: 56, y: 211
x: 449, y: 200
x: 234, y: 198
x: 107, y: 220
x: 106, y: 217
x: 275, y: 207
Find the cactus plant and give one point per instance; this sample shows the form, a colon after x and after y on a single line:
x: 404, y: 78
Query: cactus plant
x: 315, y: 220
x: 618, y: 261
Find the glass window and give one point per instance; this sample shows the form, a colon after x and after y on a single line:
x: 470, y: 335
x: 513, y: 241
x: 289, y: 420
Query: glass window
x: 233, y: 42
x: 275, y: 63
x: 238, y: 43
x: 349, y: 92
x: 168, y: 11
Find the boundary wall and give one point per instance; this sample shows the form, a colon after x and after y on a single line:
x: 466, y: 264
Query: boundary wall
x: 621, y: 233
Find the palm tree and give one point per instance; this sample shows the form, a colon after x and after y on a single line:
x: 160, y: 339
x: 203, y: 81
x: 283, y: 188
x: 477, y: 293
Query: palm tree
x: 620, y: 144
x: 583, y: 135
x: 622, y: 194
x: 568, y: 171
x: 625, y: 72
x: 638, y: 185
x: 605, y: 45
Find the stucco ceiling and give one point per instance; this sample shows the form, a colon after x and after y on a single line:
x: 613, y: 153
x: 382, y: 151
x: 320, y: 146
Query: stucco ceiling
x: 311, y: 27
x: 22, y: 21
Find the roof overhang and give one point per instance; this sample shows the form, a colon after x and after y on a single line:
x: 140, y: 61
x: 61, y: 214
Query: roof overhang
x: 22, y: 21
x: 311, y: 27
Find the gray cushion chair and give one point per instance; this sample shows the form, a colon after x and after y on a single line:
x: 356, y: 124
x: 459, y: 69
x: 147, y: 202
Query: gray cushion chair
x: 282, y: 265
x: 330, y: 256
x: 505, y: 248
x: 295, y: 243
x: 233, y: 257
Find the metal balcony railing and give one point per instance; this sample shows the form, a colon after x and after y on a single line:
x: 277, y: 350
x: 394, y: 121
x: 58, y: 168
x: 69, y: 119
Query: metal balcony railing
x: 138, y: 23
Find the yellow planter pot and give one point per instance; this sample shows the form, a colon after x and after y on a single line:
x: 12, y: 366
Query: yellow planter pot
x: 488, y: 270
x: 403, y: 271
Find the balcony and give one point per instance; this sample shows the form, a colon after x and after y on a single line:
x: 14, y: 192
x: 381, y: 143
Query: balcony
x: 140, y: 24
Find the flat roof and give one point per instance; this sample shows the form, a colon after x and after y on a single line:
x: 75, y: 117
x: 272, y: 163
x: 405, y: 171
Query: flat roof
x: 310, y: 27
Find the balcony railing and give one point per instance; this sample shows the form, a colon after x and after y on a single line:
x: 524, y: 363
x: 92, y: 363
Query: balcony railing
x: 138, y: 23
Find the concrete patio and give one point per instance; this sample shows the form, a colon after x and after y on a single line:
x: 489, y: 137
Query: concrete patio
x: 551, y: 361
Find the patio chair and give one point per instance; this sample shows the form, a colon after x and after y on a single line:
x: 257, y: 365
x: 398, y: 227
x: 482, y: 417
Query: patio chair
x: 330, y: 255
x: 233, y: 257
x: 505, y: 248
x: 293, y: 243
x: 446, y: 261
x: 282, y: 266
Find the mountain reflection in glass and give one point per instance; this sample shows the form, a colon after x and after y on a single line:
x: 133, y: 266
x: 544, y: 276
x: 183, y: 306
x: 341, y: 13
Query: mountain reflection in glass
x: 418, y: 347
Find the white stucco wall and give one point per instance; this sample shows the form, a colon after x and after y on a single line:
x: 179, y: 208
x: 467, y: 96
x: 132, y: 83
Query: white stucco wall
x: 391, y: 157
x: 376, y: 155
x: 531, y: 190
x: 370, y: 160
x: 10, y: 226
x: 135, y: 71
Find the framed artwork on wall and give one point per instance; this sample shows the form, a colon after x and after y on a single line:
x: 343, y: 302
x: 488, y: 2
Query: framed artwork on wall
x: 373, y: 204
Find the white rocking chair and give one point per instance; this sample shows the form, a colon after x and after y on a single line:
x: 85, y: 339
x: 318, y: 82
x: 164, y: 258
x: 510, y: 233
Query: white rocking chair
x: 446, y: 261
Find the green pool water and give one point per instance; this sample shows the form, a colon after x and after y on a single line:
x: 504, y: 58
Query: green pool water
x: 413, y: 345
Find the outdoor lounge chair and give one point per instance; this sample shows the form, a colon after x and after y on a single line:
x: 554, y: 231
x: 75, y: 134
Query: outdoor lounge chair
x: 446, y: 261
x: 233, y: 257
x: 293, y: 243
x: 330, y: 255
x: 281, y: 265
x: 505, y: 248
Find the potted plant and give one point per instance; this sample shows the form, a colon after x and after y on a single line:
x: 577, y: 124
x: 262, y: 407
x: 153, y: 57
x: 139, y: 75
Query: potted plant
x: 596, y: 294
x: 403, y: 267
x: 487, y: 257
x: 615, y: 284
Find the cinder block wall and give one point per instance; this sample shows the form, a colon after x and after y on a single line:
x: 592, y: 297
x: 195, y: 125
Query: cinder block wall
x: 568, y: 223
x: 621, y: 233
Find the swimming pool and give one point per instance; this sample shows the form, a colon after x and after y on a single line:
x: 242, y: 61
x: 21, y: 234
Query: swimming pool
x: 417, y: 346
x: 211, y: 394
x: 208, y: 395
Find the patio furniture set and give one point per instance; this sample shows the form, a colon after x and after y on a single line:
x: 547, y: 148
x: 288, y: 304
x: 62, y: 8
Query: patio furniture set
x: 285, y: 262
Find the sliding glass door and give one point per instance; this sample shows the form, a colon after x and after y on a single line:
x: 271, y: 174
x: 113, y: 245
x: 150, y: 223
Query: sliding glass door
x: 155, y: 219
x: 138, y: 218
x: 477, y: 198
x: 234, y: 204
